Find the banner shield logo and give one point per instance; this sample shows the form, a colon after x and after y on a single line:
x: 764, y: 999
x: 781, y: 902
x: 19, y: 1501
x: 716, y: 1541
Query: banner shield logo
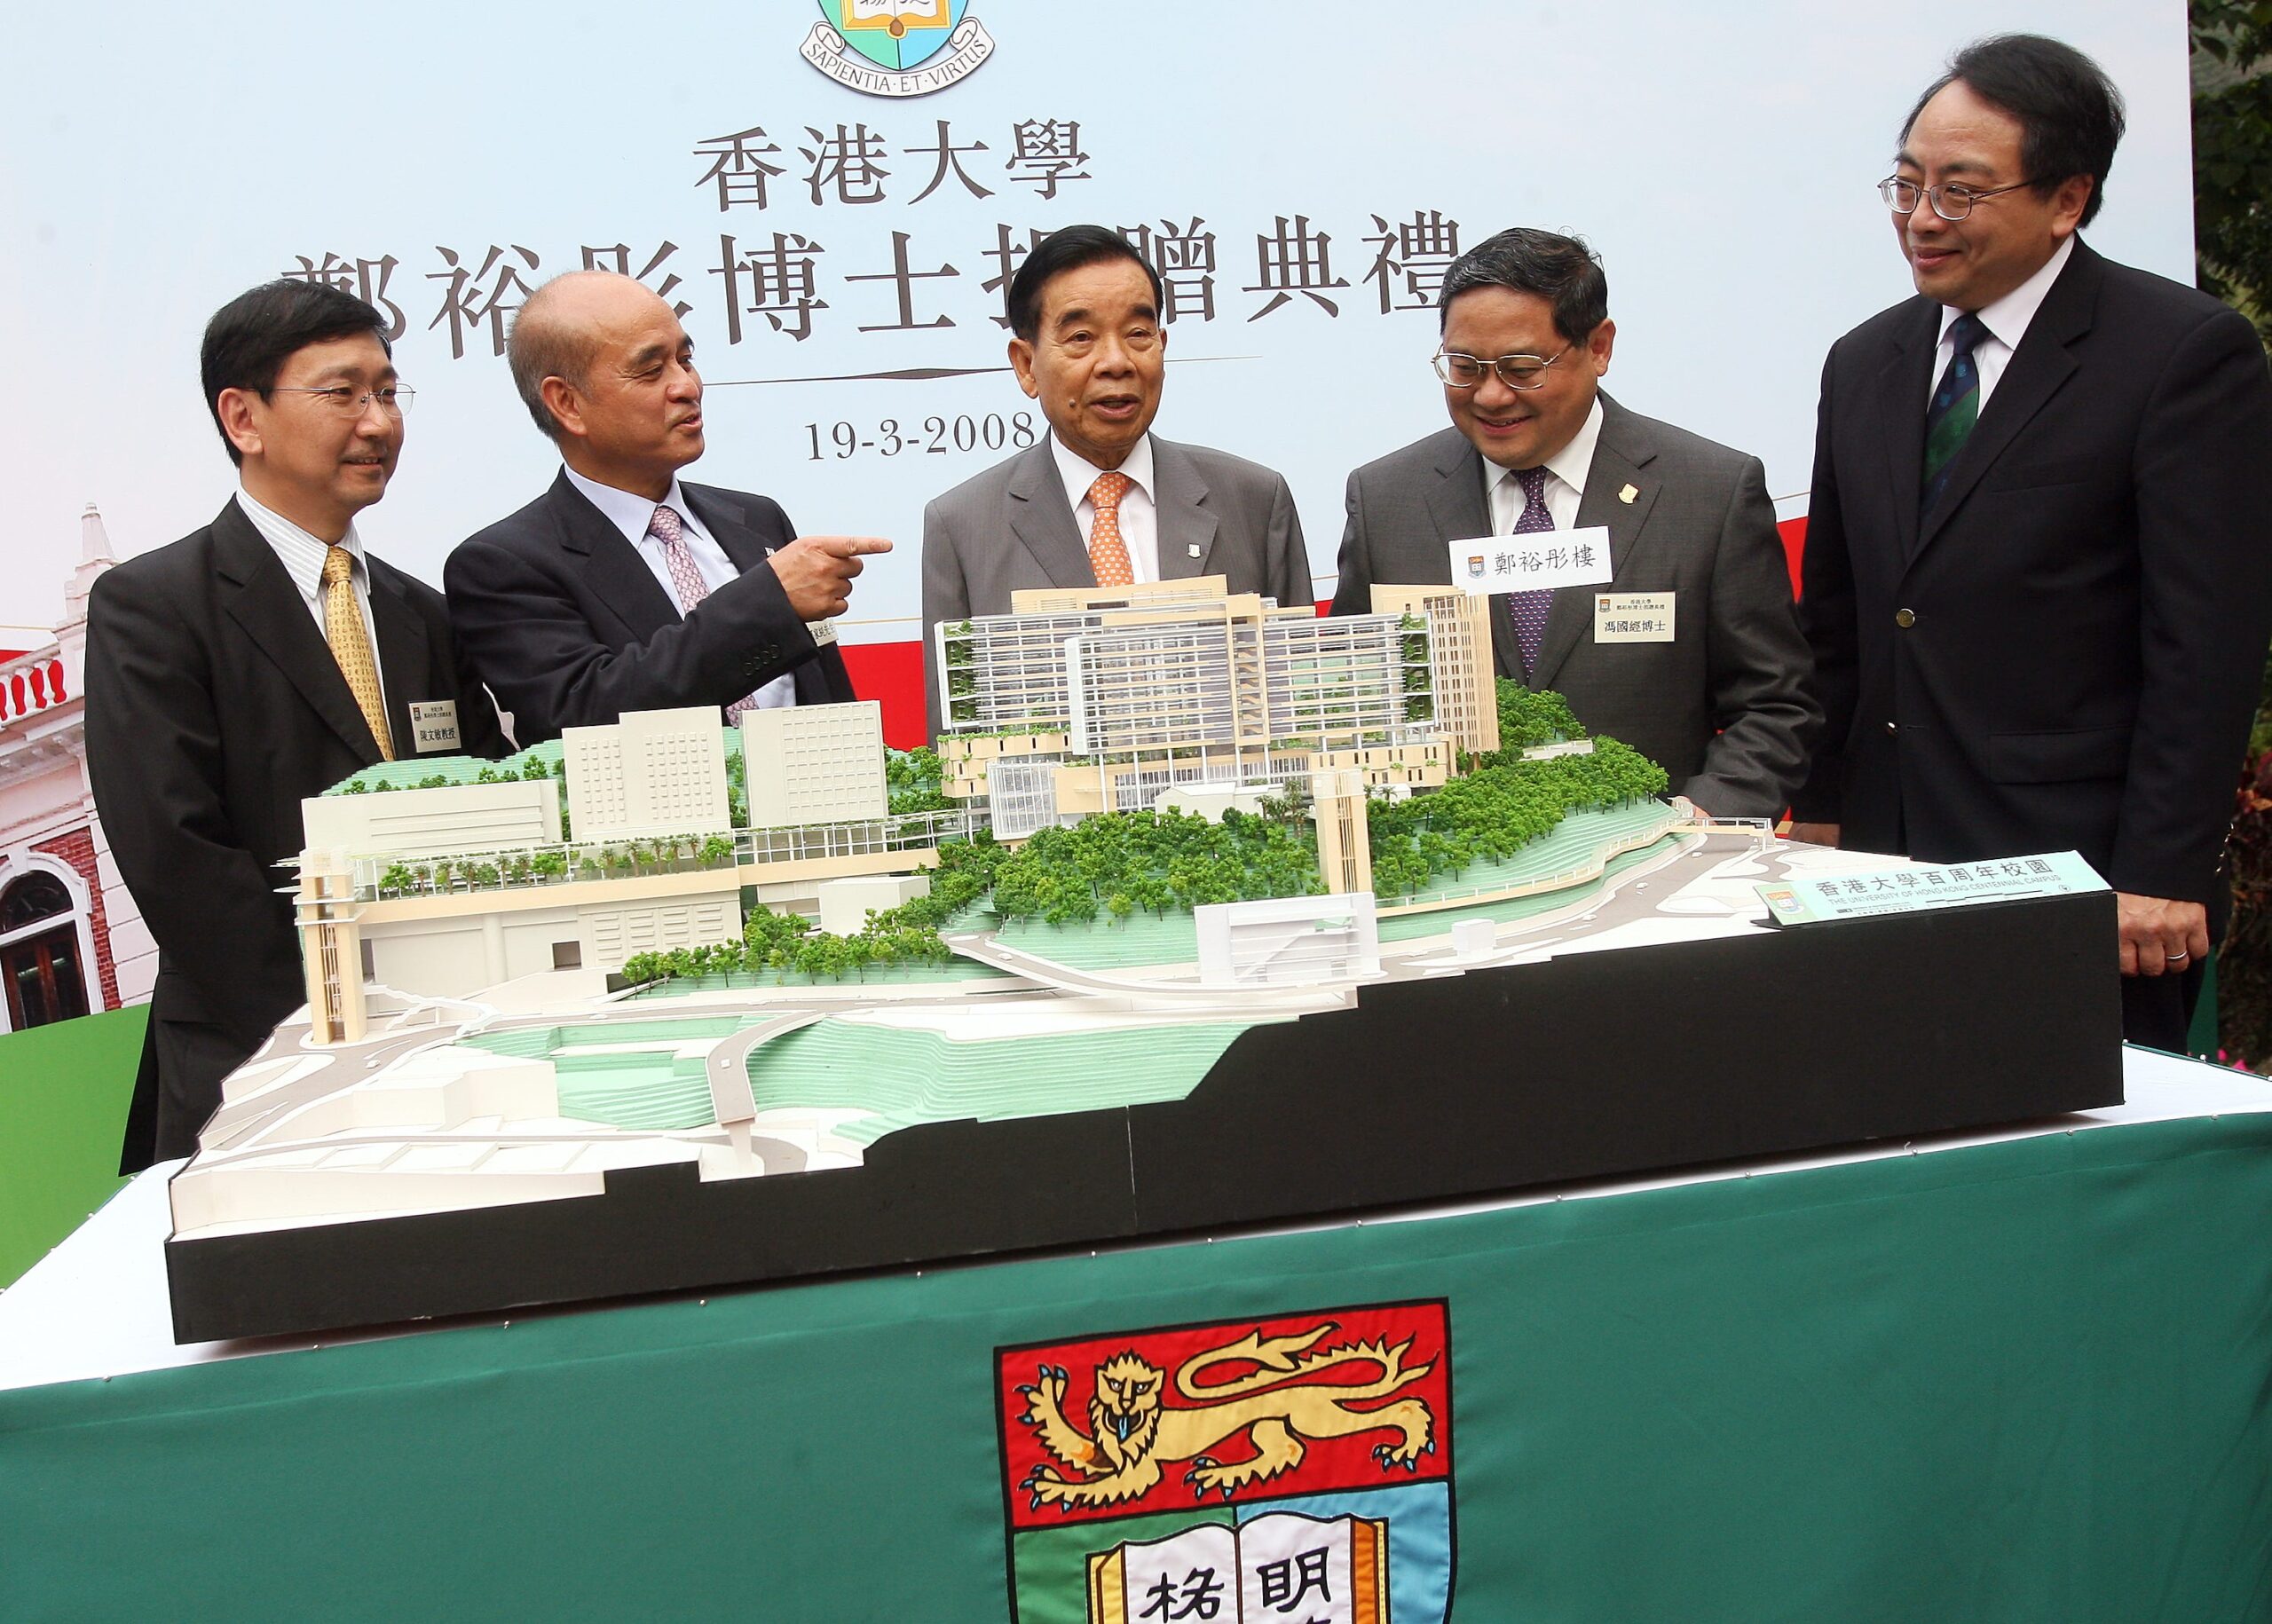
x: 1297, y: 1467
x: 897, y: 47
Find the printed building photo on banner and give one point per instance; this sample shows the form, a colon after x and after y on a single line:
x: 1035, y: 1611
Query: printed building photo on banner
x: 1298, y: 1467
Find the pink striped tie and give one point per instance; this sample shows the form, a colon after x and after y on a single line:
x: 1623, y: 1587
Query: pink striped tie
x: 667, y: 528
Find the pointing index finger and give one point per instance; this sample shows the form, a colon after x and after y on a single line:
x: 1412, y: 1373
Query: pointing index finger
x: 849, y: 547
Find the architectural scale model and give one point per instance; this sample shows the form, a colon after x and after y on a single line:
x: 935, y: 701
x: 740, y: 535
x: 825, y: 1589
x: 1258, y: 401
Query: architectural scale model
x: 527, y: 976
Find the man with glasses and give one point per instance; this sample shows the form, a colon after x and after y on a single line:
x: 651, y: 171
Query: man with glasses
x: 2037, y: 579
x: 1716, y: 691
x: 258, y: 661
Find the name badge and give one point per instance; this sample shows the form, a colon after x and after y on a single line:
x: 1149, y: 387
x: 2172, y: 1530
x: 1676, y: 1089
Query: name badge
x: 1633, y: 617
x: 1532, y: 563
x: 824, y: 632
x: 434, y: 726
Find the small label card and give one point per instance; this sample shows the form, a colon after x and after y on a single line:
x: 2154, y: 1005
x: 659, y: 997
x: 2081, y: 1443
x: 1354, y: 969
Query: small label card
x: 824, y: 632
x: 1633, y: 617
x: 1816, y: 899
x: 434, y: 726
x: 1532, y: 563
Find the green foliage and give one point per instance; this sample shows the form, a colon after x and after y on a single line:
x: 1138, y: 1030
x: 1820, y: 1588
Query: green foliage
x: 1497, y: 811
x: 1158, y: 862
x: 2232, y: 155
x: 912, y: 779
x: 1528, y: 719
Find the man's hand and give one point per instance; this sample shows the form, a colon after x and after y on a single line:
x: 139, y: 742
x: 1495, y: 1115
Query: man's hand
x: 2159, y: 935
x: 1816, y: 834
x: 817, y: 571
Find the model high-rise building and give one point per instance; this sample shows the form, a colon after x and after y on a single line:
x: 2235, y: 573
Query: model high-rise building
x: 653, y: 773
x: 815, y: 764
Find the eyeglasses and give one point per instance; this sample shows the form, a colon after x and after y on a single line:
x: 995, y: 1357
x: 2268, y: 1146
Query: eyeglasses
x: 1952, y: 201
x: 349, y: 401
x: 1460, y: 371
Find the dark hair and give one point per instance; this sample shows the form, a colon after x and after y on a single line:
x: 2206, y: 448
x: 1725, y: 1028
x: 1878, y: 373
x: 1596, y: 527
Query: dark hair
x: 2069, y: 113
x: 251, y: 338
x: 1561, y: 270
x: 1068, y: 249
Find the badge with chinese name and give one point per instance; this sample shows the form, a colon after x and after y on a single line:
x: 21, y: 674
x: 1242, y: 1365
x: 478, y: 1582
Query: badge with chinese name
x: 1633, y: 617
x: 434, y: 726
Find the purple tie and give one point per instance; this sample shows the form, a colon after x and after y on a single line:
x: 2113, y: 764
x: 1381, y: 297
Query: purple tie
x: 667, y: 528
x: 1529, y: 609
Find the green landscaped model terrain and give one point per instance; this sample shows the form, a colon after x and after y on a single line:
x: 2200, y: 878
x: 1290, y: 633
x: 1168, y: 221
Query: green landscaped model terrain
x: 652, y: 1075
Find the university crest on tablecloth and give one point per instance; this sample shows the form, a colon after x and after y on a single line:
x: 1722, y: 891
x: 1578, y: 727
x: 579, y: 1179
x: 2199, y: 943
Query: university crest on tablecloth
x: 1297, y: 1469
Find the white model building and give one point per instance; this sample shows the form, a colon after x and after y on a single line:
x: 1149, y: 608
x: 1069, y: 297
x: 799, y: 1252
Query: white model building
x: 410, y: 825
x: 814, y: 764
x: 655, y: 772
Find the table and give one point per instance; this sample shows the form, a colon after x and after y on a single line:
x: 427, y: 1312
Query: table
x: 2019, y: 1375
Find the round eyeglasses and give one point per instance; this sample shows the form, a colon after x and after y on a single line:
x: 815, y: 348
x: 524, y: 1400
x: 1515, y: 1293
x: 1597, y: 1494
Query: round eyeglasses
x: 1952, y: 200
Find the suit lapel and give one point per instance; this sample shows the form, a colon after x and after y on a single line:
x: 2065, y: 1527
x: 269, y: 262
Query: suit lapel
x: 1899, y: 402
x: 405, y: 656
x: 1043, y: 519
x: 1186, y: 530
x: 1621, y: 456
x: 621, y: 582
x: 1455, y: 504
x: 2037, y: 371
x: 261, y: 598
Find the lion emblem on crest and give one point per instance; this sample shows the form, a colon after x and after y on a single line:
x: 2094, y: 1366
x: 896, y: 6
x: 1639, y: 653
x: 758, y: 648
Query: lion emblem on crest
x: 1274, y: 1407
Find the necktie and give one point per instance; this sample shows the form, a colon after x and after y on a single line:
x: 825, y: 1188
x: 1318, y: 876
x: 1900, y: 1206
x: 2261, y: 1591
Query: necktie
x: 350, y: 644
x: 1108, y: 553
x: 667, y: 528
x: 1529, y: 609
x: 1954, y: 409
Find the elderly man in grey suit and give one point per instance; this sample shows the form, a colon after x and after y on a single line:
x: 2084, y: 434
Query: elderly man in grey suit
x: 1102, y: 501
x: 1719, y: 691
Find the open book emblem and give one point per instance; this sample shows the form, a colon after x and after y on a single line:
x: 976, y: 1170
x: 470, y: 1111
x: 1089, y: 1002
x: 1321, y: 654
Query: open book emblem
x: 896, y: 33
x: 1297, y: 1467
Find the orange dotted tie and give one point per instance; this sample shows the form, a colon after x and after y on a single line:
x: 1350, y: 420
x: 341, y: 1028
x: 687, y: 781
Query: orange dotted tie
x: 1108, y: 553
x: 350, y: 644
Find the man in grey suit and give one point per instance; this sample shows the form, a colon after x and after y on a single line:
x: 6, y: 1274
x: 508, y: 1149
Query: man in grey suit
x: 1101, y: 501
x: 1721, y: 697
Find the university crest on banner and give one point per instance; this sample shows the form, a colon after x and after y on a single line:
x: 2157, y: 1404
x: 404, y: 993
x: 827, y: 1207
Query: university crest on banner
x: 1293, y: 1470
x: 897, y: 47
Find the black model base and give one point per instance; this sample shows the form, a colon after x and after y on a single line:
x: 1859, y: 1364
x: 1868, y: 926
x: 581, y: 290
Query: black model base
x: 1593, y: 1064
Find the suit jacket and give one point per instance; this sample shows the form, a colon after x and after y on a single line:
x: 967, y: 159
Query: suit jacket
x: 1725, y: 707
x: 2065, y: 654
x: 214, y: 706
x: 1011, y: 527
x: 571, y: 629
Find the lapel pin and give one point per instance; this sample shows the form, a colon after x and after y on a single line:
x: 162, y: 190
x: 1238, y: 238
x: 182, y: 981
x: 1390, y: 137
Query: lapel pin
x: 1628, y: 494
x: 1194, y: 549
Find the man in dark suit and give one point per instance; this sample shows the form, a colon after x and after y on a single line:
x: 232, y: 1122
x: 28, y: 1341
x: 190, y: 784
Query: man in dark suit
x: 1101, y: 499
x: 1718, y: 693
x: 2037, y: 580
x: 254, y: 663
x: 620, y: 588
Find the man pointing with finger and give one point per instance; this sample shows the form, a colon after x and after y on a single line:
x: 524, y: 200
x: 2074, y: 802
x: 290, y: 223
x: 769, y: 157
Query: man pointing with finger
x: 621, y: 588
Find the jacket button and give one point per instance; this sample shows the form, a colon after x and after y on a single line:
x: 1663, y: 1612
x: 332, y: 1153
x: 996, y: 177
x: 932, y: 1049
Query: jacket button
x: 1904, y: 619
x: 1892, y: 727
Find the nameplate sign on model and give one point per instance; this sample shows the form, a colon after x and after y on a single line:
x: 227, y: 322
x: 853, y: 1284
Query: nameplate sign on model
x: 1915, y: 890
x: 1533, y: 563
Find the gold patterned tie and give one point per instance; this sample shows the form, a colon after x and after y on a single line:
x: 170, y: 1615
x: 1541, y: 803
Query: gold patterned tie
x: 1108, y: 553
x: 350, y: 644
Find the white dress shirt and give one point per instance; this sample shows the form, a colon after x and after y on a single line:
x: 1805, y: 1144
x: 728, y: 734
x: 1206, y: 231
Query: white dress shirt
x: 2006, y: 322
x: 1566, y: 481
x: 302, y: 555
x: 632, y: 514
x: 1139, y: 521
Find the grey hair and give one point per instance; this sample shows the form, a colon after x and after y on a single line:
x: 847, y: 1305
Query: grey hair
x: 1561, y: 270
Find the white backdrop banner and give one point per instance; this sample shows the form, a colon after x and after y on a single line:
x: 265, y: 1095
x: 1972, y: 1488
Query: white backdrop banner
x: 832, y: 194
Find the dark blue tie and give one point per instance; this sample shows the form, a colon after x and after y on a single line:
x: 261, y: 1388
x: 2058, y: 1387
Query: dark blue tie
x: 1954, y: 409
